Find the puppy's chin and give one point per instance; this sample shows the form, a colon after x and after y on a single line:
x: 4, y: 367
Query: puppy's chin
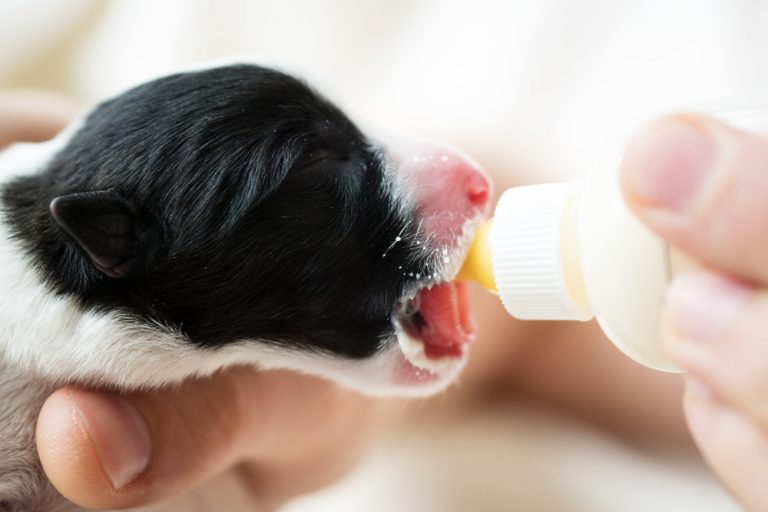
x: 390, y: 372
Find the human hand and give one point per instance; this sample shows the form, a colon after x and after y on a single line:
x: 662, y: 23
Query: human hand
x: 703, y: 186
x: 282, y: 433
x: 33, y: 116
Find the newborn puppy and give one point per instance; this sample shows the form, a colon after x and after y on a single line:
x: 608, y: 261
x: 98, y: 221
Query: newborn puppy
x: 217, y: 217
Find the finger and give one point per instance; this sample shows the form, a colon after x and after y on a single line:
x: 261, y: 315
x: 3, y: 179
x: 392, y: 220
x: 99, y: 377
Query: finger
x: 734, y: 445
x: 33, y: 116
x: 703, y: 186
x: 102, y: 450
x: 715, y: 329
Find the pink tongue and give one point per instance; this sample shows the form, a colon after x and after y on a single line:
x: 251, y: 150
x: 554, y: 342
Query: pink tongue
x: 449, y: 326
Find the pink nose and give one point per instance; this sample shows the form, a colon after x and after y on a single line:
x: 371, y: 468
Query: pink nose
x: 447, y: 188
x: 478, y: 189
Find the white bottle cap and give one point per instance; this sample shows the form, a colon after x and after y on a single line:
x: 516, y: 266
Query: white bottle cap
x: 527, y: 252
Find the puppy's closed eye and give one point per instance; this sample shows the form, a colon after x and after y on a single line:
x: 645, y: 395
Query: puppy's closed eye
x: 315, y: 156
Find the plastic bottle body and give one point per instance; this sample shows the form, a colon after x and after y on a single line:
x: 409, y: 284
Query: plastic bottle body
x: 626, y: 270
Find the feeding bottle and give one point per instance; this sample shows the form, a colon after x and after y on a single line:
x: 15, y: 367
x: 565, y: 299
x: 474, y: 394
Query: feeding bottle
x: 574, y: 251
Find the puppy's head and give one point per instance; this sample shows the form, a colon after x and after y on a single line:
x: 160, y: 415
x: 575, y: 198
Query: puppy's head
x: 246, y: 213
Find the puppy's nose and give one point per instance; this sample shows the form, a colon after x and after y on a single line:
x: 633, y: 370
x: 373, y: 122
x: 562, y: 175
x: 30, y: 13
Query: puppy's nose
x: 448, y: 179
x: 478, y: 189
x: 445, y: 187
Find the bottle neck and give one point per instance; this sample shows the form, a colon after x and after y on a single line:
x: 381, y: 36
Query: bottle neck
x: 535, y: 248
x: 570, y: 253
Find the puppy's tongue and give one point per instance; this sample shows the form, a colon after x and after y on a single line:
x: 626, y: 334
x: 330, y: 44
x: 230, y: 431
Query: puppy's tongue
x: 448, y: 320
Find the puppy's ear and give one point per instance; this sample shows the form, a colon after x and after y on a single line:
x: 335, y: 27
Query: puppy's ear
x: 105, y: 226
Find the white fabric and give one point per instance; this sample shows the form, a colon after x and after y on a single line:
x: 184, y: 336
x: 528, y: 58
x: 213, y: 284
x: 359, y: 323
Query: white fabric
x: 536, y: 87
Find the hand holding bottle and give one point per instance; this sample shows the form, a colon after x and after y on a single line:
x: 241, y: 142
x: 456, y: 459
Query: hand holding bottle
x: 703, y: 187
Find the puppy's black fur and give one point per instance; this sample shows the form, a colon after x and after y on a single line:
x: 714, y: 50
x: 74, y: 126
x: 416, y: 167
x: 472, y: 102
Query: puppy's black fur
x: 232, y: 203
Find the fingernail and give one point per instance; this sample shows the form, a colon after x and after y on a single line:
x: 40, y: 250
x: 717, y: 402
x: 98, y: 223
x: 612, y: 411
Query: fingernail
x: 702, y: 305
x: 670, y: 163
x: 118, y: 431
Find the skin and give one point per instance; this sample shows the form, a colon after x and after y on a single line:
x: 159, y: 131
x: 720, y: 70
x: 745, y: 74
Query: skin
x: 245, y: 422
x: 33, y: 115
x: 241, y: 420
x: 714, y: 326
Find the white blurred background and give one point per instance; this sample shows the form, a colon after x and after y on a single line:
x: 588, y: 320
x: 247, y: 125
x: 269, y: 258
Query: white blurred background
x: 531, y: 85
x: 533, y: 89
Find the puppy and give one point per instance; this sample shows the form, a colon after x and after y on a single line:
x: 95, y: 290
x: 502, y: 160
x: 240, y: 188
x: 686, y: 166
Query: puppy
x: 230, y: 215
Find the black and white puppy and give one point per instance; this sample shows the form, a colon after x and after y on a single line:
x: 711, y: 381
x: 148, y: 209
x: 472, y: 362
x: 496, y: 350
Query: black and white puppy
x: 224, y: 216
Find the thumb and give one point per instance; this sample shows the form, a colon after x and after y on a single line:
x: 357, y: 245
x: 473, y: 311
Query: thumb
x: 105, y: 450
x: 702, y: 185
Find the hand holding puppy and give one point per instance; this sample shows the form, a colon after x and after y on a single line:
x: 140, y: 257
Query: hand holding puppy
x: 283, y: 434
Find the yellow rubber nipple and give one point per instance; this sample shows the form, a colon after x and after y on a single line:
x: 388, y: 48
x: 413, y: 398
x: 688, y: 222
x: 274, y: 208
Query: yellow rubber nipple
x: 477, y: 266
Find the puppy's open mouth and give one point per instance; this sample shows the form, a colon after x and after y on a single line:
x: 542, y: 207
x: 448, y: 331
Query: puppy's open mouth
x: 434, y: 322
x: 438, y: 317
